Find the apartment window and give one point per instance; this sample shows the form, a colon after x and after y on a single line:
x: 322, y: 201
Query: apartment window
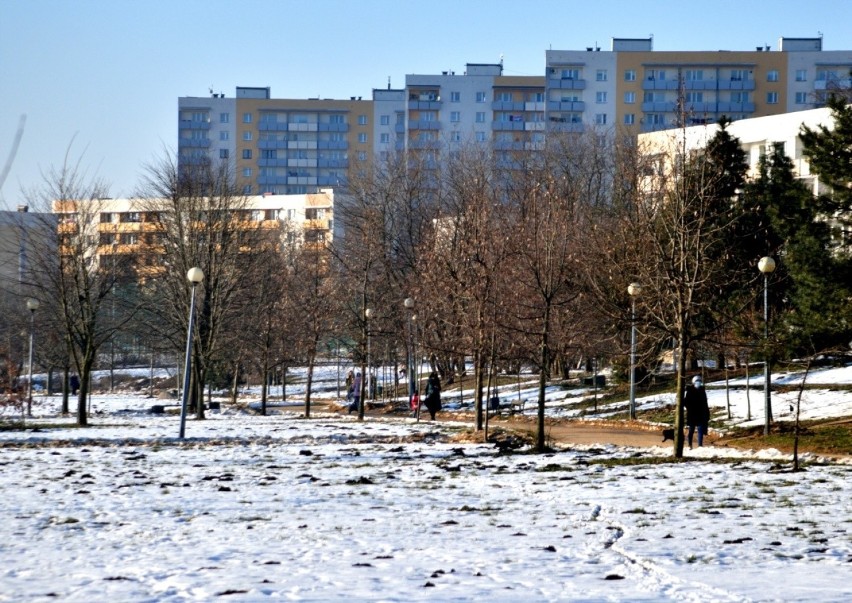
x: 504, y: 97
x: 384, y: 138
x: 536, y: 97
x: 246, y: 172
x: 223, y: 153
x: 772, y: 98
x: 247, y: 189
x: 223, y: 135
x: 600, y: 75
x: 130, y: 216
x: 246, y: 118
x: 224, y: 118
x: 801, y: 98
x: 455, y: 136
x: 630, y: 75
x: 362, y: 120
x: 480, y: 97
x: 600, y: 119
x: 246, y: 153
x: 655, y: 119
x: 653, y: 97
x: 694, y: 97
x: 247, y: 135
x: 128, y: 238
x: 455, y: 116
x: 362, y: 137
x: 600, y: 97
x: 655, y: 74
x: 362, y: 155
x: 801, y: 75
x: 480, y: 137
x: 629, y: 119
x: 772, y: 75
x: 428, y: 116
x: 480, y: 117
x: 336, y: 119
x: 694, y: 75
x: 200, y: 116
x: 629, y: 97
x: 455, y: 97
x: 269, y: 154
x: 570, y: 74
x: 384, y: 120
x: 826, y: 75
x: 739, y: 97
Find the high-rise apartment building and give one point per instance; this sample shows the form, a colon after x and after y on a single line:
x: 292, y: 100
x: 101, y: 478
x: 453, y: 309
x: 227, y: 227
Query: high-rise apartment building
x: 278, y: 146
x: 645, y: 90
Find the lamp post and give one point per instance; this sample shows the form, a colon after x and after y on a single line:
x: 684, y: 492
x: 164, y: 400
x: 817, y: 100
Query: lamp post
x: 409, y: 305
x: 368, y: 314
x: 194, y: 276
x: 767, y: 266
x: 634, y: 290
x: 32, y: 306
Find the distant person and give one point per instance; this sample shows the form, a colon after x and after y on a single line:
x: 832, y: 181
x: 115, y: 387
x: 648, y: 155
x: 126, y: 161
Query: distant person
x: 350, y: 379
x: 75, y: 384
x: 697, y: 410
x: 415, y: 403
x: 433, y: 394
x: 356, y: 392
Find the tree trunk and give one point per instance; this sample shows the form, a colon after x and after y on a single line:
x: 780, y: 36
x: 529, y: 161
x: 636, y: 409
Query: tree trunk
x: 679, y: 419
x: 542, y: 379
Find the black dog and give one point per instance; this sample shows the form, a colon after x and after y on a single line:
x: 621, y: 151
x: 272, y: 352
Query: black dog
x: 668, y: 434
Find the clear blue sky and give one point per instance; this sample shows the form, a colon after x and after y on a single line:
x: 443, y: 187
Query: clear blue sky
x: 107, y: 73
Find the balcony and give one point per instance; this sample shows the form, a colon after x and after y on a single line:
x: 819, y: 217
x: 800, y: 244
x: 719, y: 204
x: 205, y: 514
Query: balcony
x: 566, y: 84
x: 420, y: 124
x: 189, y: 124
x: 735, y: 84
x: 273, y: 126
x: 570, y: 106
x: 333, y: 127
x: 654, y: 84
x: 659, y: 107
x: 503, y: 126
x: 833, y: 84
x: 507, y: 106
x: 194, y: 143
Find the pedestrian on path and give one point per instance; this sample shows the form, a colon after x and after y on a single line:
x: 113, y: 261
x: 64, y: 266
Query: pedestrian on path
x: 697, y: 410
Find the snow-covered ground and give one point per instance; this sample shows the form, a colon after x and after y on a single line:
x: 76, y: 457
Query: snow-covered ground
x: 274, y: 508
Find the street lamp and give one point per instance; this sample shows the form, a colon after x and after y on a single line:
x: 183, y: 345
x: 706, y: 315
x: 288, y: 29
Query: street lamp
x: 767, y: 266
x: 32, y: 306
x: 194, y: 276
x: 634, y: 290
x: 368, y: 314
x: 409, y: 305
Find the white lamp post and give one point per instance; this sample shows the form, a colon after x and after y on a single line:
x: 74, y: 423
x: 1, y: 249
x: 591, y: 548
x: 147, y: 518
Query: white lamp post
x: 368, y: 379
x: 634, y: 290
x: 194, y: 276
x: 767, y: 266
x: 409, y: 305
x: 32, y: 306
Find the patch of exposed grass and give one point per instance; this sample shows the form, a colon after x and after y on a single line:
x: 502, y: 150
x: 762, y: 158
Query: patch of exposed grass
x: 818, y: 437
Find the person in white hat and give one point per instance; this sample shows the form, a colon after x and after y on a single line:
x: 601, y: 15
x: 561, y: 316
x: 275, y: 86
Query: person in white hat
x: 697, y: 410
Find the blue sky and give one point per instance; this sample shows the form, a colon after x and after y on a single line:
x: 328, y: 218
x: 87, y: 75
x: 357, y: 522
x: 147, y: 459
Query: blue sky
x: 106, y: 74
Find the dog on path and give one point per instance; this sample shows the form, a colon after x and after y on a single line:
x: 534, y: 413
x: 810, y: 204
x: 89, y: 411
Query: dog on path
x: 668, y: 434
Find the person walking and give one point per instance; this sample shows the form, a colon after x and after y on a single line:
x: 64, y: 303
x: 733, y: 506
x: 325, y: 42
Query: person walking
x: 433, y: 394
x: 350, y: 379
x: 697, y: 410
x: 356, y: 392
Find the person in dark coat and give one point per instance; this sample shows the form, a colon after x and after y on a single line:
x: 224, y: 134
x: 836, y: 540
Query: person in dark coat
x: 75, y: 384
x: 697, y: 410
x: 433, y: 394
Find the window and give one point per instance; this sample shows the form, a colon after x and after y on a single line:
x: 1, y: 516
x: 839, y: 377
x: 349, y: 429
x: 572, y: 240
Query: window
x: 772, y: 98
x: 200, y: 116
x: 246, y: 153
x: 653, y: 97
x: 600, y: 119
x: 740, y: 75
x: 536, y: 97
x: 455, y: 97
x: 600, y: 97
x: 772, y: 75
x: 247, y: 135
x: 504, y: 97
x: 106, y: 218
x: 739, y: 97
x: 480, y: 97
x: 655, y: 119
x: 694, y: 75
x: 480, y: 117
x: 223, y: 153
x: 362, y: 155
x: 128, y: 238
x: 826, y: 75
x: 801, y: 98
x: 630, y: 75
x: 629, y: 97
x: 455, y: 136
x: 384, y: 120
x: 362, y: 137
x: 247, y: 189
x: 480, y: 137
x: 600, y: 75
x: 801, y: 75
x: 129, y: 216
x: 384, y: 138
x: 455, y: 116
x: 362, y: 120
x: 246, y: 118
x: 223, y: 135
x: 570, y: 74
x: 224, y: 118
x: 247, y: 172
x: 629, y: 119
x: 336, y: 119
x: 694, y: 97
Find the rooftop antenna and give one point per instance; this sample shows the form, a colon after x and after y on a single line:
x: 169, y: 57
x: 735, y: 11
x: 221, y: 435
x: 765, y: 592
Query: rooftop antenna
x: 389, y: 85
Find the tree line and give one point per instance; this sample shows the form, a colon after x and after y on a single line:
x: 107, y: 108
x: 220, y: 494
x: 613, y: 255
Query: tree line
x: 512, y: 260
